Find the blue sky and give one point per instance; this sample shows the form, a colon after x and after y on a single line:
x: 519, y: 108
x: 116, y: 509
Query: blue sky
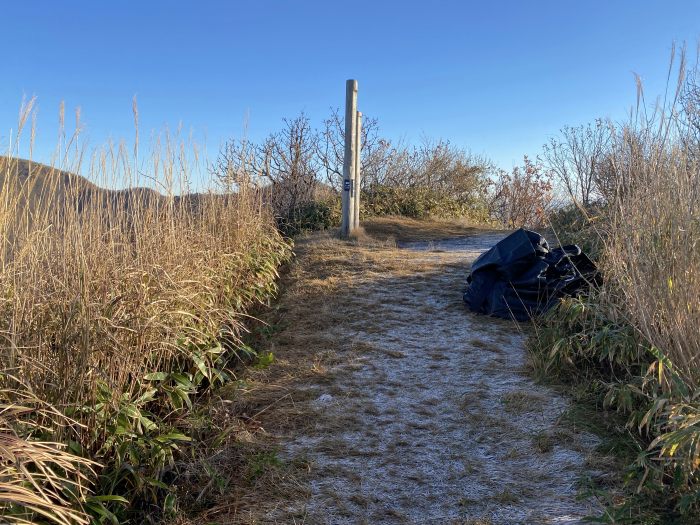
x: 497, y: 77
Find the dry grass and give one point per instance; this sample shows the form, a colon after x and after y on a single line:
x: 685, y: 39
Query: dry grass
x: 653, y: 249
x: 109, y: 292
x: 405, y: 229
x: 334, y: 287
x: 651, y: 253
x: 520, y: 401
x: 34, y: 474
x: 649, y: 221
x: 317, y: 295
x: 643, y: 323
x: 99, y: 288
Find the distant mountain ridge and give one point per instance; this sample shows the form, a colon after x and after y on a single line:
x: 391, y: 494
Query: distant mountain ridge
x: 35, y: 184
x: 36, y: 181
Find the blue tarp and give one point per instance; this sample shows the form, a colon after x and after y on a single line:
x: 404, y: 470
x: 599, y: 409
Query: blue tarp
x: 521, y: 277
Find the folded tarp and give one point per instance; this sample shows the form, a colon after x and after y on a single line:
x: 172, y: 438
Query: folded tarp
x: 520, y: 277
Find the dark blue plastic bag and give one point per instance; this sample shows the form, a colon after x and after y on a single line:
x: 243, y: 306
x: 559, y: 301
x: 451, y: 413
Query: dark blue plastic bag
x: 520, y: 277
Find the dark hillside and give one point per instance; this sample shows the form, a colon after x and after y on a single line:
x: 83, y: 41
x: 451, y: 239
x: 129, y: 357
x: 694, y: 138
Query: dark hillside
x: 35, y: 184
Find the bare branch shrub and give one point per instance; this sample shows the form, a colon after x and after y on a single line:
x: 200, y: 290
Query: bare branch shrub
x: 434, y: 178
x: 375, y: 151
x: 288, y: 163
x: 236, y: 166
x: 283, y: 169
x: 523, y: 196
x: 577, y: 159
x: 299, y: 166
x: 690, y: 106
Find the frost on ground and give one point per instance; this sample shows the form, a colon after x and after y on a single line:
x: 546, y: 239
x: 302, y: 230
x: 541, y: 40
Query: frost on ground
x: 429, y: 416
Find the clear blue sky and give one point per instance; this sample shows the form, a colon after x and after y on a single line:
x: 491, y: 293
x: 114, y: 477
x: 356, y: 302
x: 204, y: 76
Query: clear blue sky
x: 498, y: 77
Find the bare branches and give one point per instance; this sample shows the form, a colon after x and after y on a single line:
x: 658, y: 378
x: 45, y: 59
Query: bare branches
x: 690, y: 104
x: 236, y: 166
x: 576, y: 160
x: 284, y: 167
x: 295, y: 164
x: 288, y: 162
x: 374, y: 150
x: 523, y: 196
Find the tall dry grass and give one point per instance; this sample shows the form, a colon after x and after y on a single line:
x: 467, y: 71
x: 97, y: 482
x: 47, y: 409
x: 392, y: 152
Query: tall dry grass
x: 119, y: 306
x: 653, y: 258
x: 634, y: 344
x: 653, y: 242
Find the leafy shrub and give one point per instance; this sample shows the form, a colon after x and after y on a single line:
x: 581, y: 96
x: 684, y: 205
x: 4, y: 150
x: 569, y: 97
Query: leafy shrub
x: 588, y: 342
x: 418, y: 202
x: 583, y: 336
x: 572, y: 225
x: 312, y: 216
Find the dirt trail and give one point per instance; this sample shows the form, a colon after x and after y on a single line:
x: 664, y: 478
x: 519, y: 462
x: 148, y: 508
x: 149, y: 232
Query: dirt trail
x: 423, y: 412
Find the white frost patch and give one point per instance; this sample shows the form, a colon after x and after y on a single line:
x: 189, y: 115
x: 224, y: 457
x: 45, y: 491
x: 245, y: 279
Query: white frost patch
x: 437, y: 423
x: 323, y: 400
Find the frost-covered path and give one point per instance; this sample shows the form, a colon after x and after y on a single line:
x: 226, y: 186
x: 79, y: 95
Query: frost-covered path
x: 420, y: 411
x: 428, y: 416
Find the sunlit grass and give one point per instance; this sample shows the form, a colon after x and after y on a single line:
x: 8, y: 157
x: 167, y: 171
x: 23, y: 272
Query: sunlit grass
x: 118, y: 309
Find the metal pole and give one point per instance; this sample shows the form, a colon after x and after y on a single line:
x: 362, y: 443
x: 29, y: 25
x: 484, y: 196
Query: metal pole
x: 358, y: 150
x: 348, y: 222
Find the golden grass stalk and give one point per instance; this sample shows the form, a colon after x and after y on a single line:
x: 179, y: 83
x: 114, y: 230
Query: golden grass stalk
x: 102, y: 286
x: 653, y: 250
x: 38, y: 478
